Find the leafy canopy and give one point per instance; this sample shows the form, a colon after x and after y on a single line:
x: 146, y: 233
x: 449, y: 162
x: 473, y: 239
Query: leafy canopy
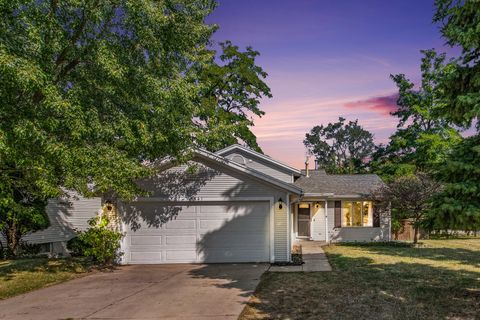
x: 91, y: 90
x: 460, y: 26
x: 458, y: 205
x: 340, y: 147
x: 421, y: 140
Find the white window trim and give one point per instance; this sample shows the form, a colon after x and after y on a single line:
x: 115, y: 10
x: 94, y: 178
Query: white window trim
x: 370, y: 216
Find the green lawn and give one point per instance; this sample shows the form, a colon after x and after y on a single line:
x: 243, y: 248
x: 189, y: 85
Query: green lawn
x: 23, y: 275
x: 440, y: 280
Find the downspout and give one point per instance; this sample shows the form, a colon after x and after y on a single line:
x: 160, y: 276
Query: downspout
x: 326, y: 222
x: 289, y: 230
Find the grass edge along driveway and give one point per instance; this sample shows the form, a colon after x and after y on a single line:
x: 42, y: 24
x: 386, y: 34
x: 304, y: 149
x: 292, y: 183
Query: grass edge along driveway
x: 24, y: 275
x: 440, y: 280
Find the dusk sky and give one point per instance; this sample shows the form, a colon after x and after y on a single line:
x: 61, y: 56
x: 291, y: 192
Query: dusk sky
x: 327, y: 59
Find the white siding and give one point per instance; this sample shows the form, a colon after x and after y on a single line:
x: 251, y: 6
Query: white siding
x: 202, y: 181
x: 281, y: 231
x: 66, y: 216
x: 361, y: 234
x: 209, y: 181
x: 260, y: 165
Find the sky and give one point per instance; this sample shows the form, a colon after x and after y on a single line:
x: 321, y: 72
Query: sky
x: 327, y: 59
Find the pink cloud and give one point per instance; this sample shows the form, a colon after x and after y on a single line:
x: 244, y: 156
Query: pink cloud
x: 382, y: 104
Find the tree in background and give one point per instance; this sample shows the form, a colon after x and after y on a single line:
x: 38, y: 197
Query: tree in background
x: 90, y: 90
x: 422, y: 140
x: 231, y: 96
x: 458, y: 205
x: 410, y: 197
x: 460, y: 84
x: 340, y: 147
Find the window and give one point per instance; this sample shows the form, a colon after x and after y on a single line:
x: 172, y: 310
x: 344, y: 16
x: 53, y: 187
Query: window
x: 357, y: 214
x: 347, y: 214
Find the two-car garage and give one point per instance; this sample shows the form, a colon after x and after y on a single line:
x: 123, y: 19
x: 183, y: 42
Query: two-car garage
x: 196, y: 232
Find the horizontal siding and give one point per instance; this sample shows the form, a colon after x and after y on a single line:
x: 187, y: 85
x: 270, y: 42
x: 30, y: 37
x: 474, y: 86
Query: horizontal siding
x: 65, y: 218
x: 281, y: 233
x: 260, y: 165
x: 199, y: 180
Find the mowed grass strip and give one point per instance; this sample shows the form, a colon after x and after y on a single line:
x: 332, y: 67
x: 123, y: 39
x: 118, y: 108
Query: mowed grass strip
x: 440, y: 280
x: 23, y: 275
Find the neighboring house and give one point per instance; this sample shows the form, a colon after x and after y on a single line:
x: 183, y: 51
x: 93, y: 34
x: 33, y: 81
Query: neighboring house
x: 235, y: 205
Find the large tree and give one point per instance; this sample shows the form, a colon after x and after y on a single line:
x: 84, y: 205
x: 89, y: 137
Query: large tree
x: 421, y: 140
x: 458, y: 205
x: 90, y: 90
x: 230, y: 97
x: 340, y: 147
x: 460, y: 27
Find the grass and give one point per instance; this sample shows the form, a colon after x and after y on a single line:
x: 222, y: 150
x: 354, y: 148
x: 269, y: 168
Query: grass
x: 23, y: 275
x: 440, y: 280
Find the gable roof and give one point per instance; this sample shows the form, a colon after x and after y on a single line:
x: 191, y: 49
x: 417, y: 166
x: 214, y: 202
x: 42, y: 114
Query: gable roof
x: 259, y: 155
x: 319, y: 183
x: 226, y: 163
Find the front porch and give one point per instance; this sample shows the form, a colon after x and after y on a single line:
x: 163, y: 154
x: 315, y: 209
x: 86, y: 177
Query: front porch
x: 337, y: 219
x: 310, y: 220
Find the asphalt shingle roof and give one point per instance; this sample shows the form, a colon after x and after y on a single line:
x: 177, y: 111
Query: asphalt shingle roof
x: 338, y: 184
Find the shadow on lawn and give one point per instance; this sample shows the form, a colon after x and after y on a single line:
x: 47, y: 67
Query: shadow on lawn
x: 362, y: 289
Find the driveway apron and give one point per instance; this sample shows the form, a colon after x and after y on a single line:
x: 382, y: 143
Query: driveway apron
x: 214, y: 291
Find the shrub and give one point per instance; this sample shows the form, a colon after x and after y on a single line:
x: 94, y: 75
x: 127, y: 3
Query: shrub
x: 99, y: 242
x: 76, y: 246
x: 29, y: 249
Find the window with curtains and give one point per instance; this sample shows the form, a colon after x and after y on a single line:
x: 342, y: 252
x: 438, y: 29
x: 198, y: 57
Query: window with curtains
x: 357, y: 214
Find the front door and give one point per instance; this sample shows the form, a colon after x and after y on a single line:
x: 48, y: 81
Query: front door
x: 303, y: 224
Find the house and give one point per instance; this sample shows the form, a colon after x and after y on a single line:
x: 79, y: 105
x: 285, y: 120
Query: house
x: 235, y: 205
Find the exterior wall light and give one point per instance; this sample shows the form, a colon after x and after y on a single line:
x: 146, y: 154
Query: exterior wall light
x: 280, y: 203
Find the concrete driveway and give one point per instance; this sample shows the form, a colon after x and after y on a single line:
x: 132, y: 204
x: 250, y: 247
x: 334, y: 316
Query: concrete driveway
x: 215, y: 291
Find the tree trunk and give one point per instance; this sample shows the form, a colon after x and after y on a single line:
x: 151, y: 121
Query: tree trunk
x: 12, y: 238
x: 415, y: 234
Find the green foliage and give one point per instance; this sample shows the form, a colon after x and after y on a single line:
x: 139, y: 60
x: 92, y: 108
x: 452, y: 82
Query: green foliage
x: 77, y: 246
x: 231, y: 96
x: 460, y: 26
x: 422, y: 140
x: 396, y: 226
x: 90, y: 90
x: 410, y: 197
x: 458, y: 205
x: 340, y: 147
x: 100, y: 242
x: 21, y: 212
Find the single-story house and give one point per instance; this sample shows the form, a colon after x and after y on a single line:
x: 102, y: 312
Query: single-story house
x: 235, y: 205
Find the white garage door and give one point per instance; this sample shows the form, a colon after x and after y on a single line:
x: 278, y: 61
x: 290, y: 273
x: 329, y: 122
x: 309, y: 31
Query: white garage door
x: 198, y: 232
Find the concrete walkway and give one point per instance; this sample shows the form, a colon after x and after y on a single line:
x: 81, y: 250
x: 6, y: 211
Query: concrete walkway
x: 314, y: 259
